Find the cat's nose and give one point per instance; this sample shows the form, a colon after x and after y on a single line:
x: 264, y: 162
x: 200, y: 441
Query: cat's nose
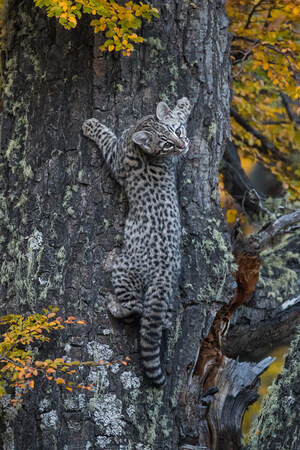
x: 180, y: 145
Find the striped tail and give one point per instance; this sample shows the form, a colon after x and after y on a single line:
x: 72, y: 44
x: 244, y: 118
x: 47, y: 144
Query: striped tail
x: 150, y: 355
x: 151, y: 335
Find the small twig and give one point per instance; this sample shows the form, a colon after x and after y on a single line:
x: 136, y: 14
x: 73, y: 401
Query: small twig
x: 285, y: 208
x: 258, y: 203
x: 286, y: 106
x: 244, y: 58
x: 245, y: 38
x: 274, y: 122
x: 251, y: 13
x: 15, y: 363
x: 290, y: 303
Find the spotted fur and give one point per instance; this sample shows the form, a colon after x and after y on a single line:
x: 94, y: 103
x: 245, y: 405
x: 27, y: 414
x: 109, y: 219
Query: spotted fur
x: 145, y: 274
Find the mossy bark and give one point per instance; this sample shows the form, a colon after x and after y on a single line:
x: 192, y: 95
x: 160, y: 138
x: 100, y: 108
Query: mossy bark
x: 63, y: 216
x: 277, y: 425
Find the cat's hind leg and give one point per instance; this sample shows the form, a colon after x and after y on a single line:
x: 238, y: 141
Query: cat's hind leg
x: 127, y: 298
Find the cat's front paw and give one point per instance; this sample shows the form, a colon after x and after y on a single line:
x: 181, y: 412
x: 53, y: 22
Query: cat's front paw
x: 90, y: 127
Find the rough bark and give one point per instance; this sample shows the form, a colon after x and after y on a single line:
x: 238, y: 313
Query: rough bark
x: 63, y: 216
x: 278, y: 423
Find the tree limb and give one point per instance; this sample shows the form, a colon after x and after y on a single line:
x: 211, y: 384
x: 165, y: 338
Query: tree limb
x: 238, y: 185
x: 252, y: 12
x: 266, y: 144
x: 269, y: 231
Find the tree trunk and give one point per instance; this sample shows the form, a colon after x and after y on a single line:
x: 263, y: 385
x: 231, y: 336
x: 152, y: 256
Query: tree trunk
x: 278, y: 423
x: 63, y: 217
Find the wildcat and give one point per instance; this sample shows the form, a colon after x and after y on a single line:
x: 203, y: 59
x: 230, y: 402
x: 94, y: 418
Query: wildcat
x: 145, y: 274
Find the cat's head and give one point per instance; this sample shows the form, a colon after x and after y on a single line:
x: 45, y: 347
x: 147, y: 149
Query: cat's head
x: 166, y: 135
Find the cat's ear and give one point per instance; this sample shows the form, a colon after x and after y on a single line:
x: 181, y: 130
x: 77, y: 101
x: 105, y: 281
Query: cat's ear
x: 143, y: 139
x: 162, y: 110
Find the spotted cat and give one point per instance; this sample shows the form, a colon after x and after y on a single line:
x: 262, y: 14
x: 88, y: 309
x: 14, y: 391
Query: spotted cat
x: 145, y: 274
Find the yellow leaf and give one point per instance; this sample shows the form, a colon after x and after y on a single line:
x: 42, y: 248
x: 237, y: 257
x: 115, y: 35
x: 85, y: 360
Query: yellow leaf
x: 231, y: 215
x: 275, y: 13
x: 265, y: 65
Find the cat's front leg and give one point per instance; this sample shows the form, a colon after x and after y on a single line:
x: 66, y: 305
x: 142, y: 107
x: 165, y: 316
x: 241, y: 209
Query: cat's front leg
x: 182, y: 109
x: 107, y: 142
x: 92, y: 129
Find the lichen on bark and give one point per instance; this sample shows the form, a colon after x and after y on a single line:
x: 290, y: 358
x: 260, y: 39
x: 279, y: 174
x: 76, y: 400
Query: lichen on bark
x: 277, y: 425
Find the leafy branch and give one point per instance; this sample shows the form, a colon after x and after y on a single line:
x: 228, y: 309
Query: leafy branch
x: 117, y: 22
x: 18, y: 366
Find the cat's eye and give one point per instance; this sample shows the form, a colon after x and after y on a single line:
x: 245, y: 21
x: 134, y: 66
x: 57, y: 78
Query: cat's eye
x: 168, y: 145
x: 178, y: 131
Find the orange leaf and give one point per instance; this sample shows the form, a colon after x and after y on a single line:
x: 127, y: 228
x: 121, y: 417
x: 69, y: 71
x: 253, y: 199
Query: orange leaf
x: 231, y: 215
x: 71, y: 318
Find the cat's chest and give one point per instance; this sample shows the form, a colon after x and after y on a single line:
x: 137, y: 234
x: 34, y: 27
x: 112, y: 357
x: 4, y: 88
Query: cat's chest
x: 157, y: 198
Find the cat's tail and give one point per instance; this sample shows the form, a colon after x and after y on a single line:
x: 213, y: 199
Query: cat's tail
x: 151, y: 335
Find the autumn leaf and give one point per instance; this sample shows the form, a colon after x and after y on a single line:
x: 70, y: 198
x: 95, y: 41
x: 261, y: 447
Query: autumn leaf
x: 231, y: 215
x: 17, y: 364
x: 119, y: 19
